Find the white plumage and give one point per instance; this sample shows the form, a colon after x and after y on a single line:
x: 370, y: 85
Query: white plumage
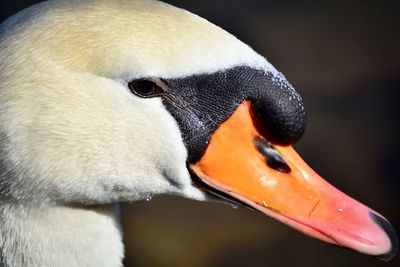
x: 73, y: 136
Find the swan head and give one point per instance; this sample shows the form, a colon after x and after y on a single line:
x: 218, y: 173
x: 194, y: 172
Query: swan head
x: 111, y: 101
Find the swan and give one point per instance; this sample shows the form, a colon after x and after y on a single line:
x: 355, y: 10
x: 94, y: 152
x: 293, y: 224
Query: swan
x: 103, y: 102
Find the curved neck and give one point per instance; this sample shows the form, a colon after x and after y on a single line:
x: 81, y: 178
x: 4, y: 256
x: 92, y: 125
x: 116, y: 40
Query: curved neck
x: 60, y: 236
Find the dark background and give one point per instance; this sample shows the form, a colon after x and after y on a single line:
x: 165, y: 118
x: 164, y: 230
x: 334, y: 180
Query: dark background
x: 343, y: 57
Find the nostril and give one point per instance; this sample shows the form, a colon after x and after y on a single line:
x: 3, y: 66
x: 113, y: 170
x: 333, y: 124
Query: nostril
x: 390, y: 232
x: 272, y: 157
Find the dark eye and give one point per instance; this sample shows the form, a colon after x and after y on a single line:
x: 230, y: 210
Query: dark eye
x: 145, y: 88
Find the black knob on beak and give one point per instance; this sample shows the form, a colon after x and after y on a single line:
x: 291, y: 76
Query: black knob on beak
x: 277, y: 109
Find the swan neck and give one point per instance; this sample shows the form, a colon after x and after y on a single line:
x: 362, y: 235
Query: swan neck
x: 60, y: 236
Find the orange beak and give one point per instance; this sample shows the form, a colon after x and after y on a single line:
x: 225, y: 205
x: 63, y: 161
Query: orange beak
x: 274, y: 179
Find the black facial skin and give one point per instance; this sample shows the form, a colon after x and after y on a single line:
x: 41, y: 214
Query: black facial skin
x: 201, y: 103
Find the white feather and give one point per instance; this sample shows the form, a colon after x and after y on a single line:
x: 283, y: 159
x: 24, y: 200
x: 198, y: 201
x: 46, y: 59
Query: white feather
x: 73, y: 136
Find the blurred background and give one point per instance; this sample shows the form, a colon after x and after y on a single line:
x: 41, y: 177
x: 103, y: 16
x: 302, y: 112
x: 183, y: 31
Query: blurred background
x: 344, y: 59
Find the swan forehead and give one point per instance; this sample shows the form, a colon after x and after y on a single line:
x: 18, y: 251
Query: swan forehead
x: 129, y: 39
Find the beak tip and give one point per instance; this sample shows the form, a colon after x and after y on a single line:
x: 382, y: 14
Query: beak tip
x: 391, y: 233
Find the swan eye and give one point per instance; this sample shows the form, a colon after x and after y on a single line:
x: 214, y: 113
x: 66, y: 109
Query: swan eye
x: 145, y: 88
